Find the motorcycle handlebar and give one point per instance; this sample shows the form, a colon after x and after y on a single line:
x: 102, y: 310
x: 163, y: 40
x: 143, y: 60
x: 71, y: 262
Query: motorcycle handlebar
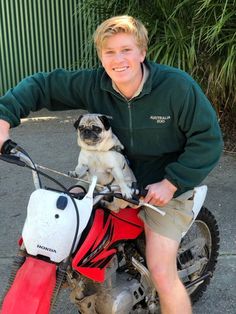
x: 12, y: 153
x: 112, y: 192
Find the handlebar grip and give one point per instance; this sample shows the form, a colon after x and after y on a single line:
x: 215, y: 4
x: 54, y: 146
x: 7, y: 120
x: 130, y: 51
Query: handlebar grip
x: 142, y: 192
x: 12, y: 160
x: 7, y: 146
x: 135, y: 199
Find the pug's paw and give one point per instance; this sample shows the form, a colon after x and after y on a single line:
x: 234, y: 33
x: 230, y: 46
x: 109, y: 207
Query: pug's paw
x: 126, y: 191
x: 72, y: 174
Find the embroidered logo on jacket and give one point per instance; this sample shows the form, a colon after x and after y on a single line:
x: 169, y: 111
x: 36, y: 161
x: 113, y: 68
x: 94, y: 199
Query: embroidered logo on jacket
x: 160, y: 119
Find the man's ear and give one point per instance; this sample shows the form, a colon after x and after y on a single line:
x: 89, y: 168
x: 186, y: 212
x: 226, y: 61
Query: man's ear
x: 105, y: 121
x: 77, y: 122
x: 143, y: 53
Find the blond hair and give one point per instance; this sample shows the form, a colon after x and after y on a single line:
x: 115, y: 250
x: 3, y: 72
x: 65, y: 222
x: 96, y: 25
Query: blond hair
x: 121, y: 24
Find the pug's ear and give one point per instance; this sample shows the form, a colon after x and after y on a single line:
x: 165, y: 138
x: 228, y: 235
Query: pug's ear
x: 105, y: 121
x: 77, y: 122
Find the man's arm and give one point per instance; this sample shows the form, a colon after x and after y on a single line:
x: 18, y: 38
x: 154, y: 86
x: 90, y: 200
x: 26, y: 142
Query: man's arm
x: 202, y: 150
x: 56, y: 90
x: 4, y: 132
x: 203, y: 146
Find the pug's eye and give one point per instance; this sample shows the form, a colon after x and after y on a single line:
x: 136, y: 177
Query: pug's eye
x: 96, y: 129
x: 81, y: 128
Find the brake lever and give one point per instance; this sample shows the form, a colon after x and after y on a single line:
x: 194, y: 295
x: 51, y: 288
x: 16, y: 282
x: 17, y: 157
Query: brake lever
x: 158, y: 210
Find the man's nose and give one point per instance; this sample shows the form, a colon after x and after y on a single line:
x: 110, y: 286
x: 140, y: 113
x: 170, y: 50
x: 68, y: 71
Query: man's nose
x: 118, y: 56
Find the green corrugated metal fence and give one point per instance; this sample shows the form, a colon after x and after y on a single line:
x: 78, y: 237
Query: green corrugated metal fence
x: 41, y: 35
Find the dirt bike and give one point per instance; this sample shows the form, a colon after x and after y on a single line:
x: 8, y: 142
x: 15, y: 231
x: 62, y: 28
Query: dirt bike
x: 72, y: 239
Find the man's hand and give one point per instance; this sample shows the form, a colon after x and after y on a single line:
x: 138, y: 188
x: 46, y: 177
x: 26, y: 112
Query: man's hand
x: 160, y: 193
x: 4, y: 132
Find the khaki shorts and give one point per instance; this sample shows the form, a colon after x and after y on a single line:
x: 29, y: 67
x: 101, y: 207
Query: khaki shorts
x: 177, y: 219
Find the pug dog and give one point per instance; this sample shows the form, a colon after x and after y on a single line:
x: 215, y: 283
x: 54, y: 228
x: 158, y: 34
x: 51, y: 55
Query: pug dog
x: 100, y: 155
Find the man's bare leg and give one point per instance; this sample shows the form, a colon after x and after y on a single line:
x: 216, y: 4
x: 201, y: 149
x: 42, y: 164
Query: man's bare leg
x: 161, y: 255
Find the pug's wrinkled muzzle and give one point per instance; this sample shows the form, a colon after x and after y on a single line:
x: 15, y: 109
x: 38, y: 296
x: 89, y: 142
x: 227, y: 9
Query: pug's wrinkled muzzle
x: 89, y: 136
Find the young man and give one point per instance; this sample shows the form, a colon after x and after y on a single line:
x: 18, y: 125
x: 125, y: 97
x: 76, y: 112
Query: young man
x: 162, y: 117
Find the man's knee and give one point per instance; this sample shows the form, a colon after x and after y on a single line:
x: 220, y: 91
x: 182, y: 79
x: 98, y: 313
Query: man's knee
x: 161, y: 255
x: 163, y: 277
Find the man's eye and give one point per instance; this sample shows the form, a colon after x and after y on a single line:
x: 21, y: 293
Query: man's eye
x: 109, y: 52
x: 96, y: 129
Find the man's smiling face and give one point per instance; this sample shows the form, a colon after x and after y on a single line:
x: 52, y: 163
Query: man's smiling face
x: 122, y: 58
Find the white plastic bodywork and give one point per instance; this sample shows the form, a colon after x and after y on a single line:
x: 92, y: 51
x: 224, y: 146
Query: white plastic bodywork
x: 50, y: 231
x: 200, y: 193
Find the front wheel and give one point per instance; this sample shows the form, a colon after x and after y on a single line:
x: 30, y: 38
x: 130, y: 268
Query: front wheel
x: 198, y: 253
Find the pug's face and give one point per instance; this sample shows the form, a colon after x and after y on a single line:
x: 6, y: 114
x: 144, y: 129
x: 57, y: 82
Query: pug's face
x: 92, y: 129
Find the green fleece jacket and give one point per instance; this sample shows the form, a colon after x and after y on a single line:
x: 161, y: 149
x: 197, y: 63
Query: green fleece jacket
x: 169, y: 130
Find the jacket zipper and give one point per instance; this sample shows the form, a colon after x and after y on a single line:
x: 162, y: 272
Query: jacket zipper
x: 130, y: 117
x: 130, y: 125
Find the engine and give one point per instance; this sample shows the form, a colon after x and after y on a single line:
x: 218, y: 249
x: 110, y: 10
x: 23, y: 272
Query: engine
x: 128, y: 289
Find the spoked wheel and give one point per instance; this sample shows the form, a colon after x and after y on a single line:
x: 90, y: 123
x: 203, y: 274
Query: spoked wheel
x: 198, y: 252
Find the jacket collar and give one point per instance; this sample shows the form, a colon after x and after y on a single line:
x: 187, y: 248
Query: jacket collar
x: 106, y: 82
